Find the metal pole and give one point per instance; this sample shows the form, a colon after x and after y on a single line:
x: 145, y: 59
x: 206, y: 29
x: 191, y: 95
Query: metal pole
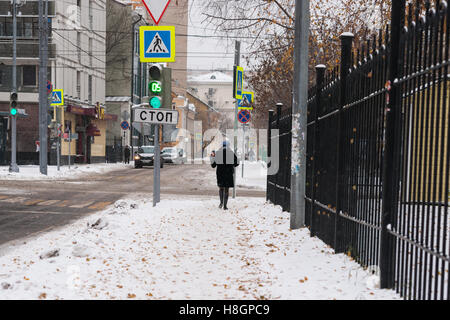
x: 70, y: 142
x: 299, y: 116
x: 237, y: 56
x: 156, y: 168
x: 43, y: 98
x: 391, y: 150
x: 58, y: 150
x: 243, y: 148
x: 13, y: 166
x: 133, y: 44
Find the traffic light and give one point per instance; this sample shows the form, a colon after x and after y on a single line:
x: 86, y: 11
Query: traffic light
x: 155, y: 86
x: 13, y: 104
x: 160, y: 87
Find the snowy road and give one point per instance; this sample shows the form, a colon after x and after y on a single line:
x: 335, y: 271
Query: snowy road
x: 33, y: 203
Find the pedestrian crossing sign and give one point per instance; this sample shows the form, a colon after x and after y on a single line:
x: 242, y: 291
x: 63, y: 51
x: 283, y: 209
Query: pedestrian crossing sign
x: 157, y: 44
x: 246, y: 103
x: 57, y: 97
x: 238, y: 82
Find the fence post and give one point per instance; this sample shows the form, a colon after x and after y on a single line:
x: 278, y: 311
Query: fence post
x: 269, y: 152
x: 390, y: 165
x: 346, y: 56
x: 277, y: 195
x: 320, y: 73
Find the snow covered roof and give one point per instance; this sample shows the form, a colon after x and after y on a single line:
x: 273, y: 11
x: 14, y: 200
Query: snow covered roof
x: 212, y: 77
x: 117, y: 98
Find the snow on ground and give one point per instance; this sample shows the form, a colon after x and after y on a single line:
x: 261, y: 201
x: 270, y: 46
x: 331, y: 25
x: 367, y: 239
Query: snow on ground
x: 255, y: 175
x: 31, y: 172
x: 182, y: 249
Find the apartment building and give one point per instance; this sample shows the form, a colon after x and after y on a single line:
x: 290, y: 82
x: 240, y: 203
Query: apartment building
x: 77, y: 33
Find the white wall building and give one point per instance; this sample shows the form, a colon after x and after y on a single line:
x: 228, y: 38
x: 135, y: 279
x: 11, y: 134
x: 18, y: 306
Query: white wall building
x: 215, y: 88
x: 77, y: 36
x: 79, y: 32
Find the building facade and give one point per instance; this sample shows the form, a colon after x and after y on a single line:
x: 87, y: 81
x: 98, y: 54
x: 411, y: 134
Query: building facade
x: 216, y: 89
x: 77, y: 32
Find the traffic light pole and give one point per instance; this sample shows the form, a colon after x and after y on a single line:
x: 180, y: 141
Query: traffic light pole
x: 237, y: 55
x: 156, y: 168
x: 13, y: 166
x: 133, y: 44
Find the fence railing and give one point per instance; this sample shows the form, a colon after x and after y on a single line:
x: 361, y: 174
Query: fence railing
x: 378, y: 152
x: 279, y: 184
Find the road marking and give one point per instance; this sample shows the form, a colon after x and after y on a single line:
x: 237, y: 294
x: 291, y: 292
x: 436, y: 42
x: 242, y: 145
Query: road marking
x: 63, y: 204
x: 100, y: 205
x: 48, y: 203
x: 4, y: 197
x: 33, y: 202
x: 15, y: 200
x: 82, y: 205
x: 40, y: 212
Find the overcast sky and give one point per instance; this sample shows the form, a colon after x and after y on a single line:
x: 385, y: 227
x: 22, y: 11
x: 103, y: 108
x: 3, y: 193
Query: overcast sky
x: 207, y: 50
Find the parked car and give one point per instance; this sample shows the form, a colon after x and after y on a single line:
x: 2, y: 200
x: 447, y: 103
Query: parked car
x: 145, y: 156
x: 173, y: 155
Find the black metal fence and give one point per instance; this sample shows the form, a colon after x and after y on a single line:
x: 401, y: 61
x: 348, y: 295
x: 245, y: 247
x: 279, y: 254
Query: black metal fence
x: 279, y: 135
x: 378, y: 152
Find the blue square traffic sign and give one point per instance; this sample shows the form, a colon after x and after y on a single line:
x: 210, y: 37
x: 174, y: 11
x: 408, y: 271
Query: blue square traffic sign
x: 57, y: 97
x: 157, y: 44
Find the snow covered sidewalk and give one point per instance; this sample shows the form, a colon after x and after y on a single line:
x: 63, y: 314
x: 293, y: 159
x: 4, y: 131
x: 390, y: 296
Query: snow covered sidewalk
x: 31, y: 172
x: 182, y: 249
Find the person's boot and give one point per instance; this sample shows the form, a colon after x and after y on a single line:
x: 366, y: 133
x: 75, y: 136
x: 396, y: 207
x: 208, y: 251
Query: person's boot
x: 221, y: 191
x: 225, y: 200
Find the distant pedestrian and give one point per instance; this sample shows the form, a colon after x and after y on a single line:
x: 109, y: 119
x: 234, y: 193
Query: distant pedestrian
x: 225, y: 160
x: 127, y: 154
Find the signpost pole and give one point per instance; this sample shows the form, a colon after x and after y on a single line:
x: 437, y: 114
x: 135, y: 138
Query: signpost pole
x: 243, y: 148
x: 156, y: 168
x: 237, y: 55
x: 70, y: 140
x: 58, y: 150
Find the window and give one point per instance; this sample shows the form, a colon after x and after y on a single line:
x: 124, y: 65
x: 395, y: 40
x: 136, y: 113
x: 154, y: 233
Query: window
x: 90, y: 89
x: 90, y: 52
x: 79, y: 46
x: 27, y: 27
x: 79, y: 85
x: 29, y: 76
x: 8, y: 28
x: 67, y: 126
x: 79, y: 3
x: 1, y: 77
x: 91, y: 18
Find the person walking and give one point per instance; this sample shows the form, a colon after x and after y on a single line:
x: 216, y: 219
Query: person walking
x: 127, y: 154
x: 225, y: 161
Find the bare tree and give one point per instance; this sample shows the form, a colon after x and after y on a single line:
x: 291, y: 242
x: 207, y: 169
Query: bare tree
x: 269, y: 24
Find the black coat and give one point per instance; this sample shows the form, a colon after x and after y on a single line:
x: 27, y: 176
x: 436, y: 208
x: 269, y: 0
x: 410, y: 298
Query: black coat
x: 225, y: 161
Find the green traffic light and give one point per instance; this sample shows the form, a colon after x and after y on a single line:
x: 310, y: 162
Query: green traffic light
x: 155, y: 102
x: 13, y: 112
